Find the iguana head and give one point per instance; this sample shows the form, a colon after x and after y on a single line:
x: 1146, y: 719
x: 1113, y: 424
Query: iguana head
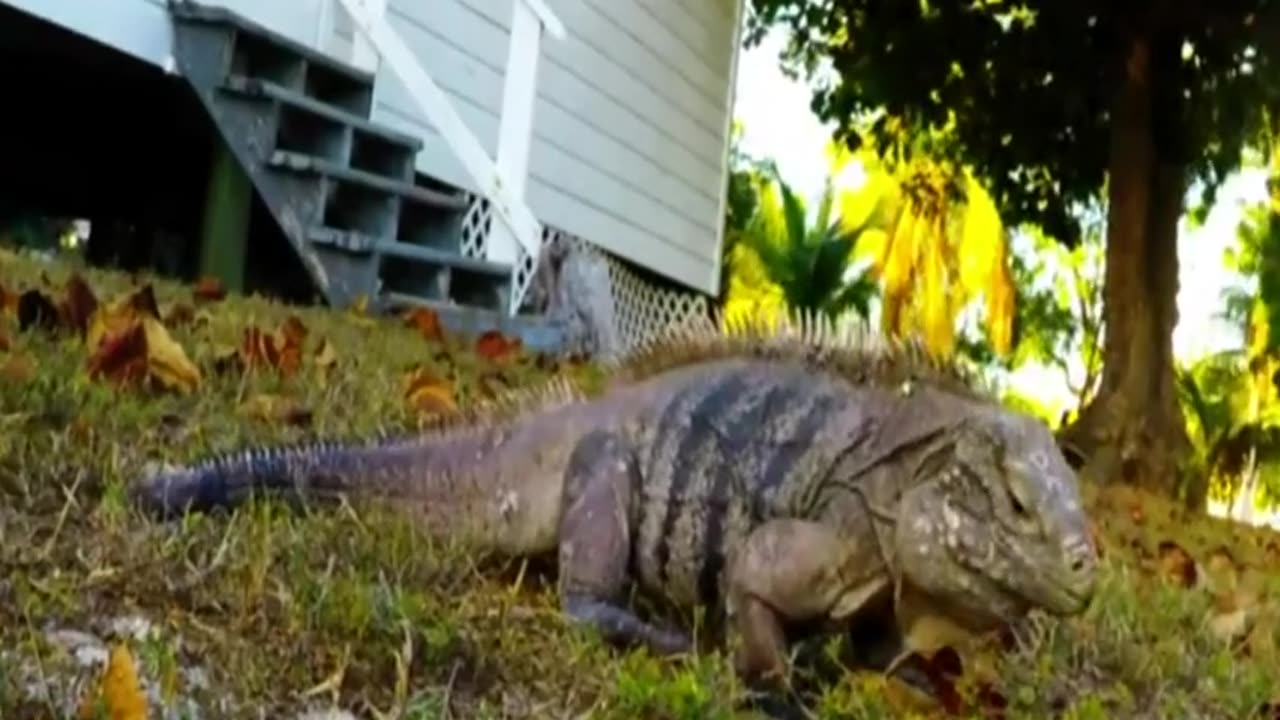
x: 994, y: 521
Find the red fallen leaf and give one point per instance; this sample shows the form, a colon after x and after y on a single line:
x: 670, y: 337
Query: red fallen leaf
x: 495, y: 346
x: 79, y: 305
x: 121, y: 356
x: 426, y: 322
x: 293, y: 331
x: 1176, y: 564
x: 208, y: 289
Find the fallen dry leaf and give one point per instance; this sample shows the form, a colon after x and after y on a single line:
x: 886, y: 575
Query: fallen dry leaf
x: 426, y: 322
x: 143, y: 301
x: 168, y: 362
x: 5, y: 343
x: 208, y: 289
x: 429, y: 393
x: 1176, y: 564
x: 1222, y: 569
x: 276, y: 408
x: 293, y: 330
x: 494, y: 346
x: 118, y: 693
x: 326, y: 356
x: 120, y: 355
x: 79, y: 305
x: 8, y: 301
x: 36, y: 310
x: 18, y: 369
x: 1232, y: 611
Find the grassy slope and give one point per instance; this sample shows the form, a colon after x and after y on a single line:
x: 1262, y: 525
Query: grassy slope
x: 285, y: 611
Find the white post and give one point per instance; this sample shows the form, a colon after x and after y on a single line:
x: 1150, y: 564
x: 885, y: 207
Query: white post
x: 515, y: 129
x: 324, y: 24
x: 363, y: 53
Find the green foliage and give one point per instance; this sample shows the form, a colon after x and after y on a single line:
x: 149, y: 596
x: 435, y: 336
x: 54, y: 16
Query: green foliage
x: 1025, y: 107
x: 936, y: 244
x: 812, y: 263
x: 777, y: 257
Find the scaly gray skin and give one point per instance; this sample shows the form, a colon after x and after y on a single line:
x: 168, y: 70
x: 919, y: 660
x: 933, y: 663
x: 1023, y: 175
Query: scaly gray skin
x: 777, y: 480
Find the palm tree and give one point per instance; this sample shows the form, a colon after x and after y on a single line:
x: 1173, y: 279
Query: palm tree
x: 1232, y: 398
x: 799, y: 265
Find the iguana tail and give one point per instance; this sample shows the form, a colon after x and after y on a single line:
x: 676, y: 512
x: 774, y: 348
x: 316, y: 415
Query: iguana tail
x: 310, y: 471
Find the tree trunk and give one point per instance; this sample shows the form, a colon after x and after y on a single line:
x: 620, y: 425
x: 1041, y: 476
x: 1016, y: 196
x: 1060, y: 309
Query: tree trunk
x: 1133, y: 431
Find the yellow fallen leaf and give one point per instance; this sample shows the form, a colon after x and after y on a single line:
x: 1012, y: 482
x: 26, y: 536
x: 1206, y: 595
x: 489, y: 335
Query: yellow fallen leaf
x: 326, y: 355
x: 276, y: 408
x: 168, y: 362
x: 118, y: 693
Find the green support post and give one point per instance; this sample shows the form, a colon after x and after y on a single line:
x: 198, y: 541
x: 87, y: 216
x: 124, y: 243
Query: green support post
x: 223, y: 242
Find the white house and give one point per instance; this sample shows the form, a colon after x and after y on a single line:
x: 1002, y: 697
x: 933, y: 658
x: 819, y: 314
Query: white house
x: 605, y: 121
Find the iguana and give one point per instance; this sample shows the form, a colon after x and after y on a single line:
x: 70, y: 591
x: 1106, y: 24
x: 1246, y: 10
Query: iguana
x: 780, y: 476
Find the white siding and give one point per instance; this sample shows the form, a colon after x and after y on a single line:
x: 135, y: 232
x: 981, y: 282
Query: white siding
x: 630, y: 126
x: 138, y: 27
x: 631, y: 121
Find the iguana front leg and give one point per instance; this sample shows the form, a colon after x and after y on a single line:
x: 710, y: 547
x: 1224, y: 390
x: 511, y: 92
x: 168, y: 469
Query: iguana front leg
x: 792, y: 571
x: 595, y: 544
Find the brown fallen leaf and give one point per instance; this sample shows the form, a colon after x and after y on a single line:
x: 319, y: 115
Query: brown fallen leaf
x: 129, y: 353
x: 293, y: 330
x: 118, y: 696
x: 1176, y: 564
x: 277, y: 408
x: 429, y: 393
x: 18, y: 369
x: 280, y: 350
x: 5, y: 343
x: 79, y: 305
x: 208, y: 289
x: 427, y: 322
x: 36, y: 310
x: 143, y: 301
x: 120, y: 355
x: 8, y: 302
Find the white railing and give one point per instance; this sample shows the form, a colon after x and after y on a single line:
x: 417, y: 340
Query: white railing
x: 501, y: 181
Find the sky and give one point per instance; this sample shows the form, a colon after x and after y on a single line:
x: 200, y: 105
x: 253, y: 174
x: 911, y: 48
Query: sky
x: 777, y: 123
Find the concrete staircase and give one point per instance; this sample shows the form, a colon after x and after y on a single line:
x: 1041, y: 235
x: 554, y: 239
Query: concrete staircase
x: 342, y: 188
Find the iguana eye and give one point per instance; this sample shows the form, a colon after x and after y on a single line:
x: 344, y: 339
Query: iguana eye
x: 1018, y: 508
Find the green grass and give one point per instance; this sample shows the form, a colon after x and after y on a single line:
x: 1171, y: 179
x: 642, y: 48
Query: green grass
x: 277, y: 611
